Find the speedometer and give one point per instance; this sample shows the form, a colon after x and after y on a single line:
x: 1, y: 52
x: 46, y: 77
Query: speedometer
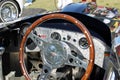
x: 83, y: 43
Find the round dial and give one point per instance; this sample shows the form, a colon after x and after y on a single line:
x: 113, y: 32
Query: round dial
x: 83, y: 43
x: 56, y: 36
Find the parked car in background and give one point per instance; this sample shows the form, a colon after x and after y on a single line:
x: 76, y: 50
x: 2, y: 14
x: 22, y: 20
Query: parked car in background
x: 10, y: 10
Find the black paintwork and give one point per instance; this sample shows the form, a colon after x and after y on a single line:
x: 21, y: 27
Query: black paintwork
x: 91, y: 23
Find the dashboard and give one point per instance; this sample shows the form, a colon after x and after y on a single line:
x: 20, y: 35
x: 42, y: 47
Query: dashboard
x: 72, y: 36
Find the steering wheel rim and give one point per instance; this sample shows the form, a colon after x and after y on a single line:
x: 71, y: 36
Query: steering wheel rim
x: 64, y: 17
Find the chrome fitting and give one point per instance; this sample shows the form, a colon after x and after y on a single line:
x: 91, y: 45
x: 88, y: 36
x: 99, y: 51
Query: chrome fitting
x: 2, y: 50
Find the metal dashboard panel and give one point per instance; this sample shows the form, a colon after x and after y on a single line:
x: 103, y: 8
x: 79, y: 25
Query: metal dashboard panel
x: 100, y: 46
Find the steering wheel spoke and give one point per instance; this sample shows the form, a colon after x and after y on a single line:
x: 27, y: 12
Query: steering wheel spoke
x: 37, y: 40
x: 75, y: 61
x: 45, y: 73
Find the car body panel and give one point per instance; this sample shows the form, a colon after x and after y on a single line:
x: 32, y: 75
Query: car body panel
x: 21, y: 5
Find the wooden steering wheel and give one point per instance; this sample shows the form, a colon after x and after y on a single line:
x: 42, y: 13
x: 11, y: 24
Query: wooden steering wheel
x: 38, y: 40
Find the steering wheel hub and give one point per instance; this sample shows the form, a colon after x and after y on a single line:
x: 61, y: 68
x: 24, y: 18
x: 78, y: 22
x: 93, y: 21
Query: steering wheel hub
x: 54, y: 54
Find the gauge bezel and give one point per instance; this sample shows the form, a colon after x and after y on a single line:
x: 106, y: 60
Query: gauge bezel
x: 58, y: 35
x: 85, y: 45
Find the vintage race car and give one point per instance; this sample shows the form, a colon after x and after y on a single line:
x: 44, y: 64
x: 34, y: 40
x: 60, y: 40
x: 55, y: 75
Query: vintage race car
x: 65, y: 45
x: 10, y: 10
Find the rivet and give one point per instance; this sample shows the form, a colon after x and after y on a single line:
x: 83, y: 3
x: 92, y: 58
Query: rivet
x: 85, y: 31
x: 76, y: 21
x: 91, y: 60
x: 52, y: 15
x: 20, y: 62
x: 24, y: 73
x: 40, y: 18
x: 86, y: 74
x: 64, y: 16
x: 24, y: 37
x: 90, y: 45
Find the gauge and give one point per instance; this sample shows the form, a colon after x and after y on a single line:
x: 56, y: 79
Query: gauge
x: 56, y: 36
x: 83, y: 43
x: 24, y: 27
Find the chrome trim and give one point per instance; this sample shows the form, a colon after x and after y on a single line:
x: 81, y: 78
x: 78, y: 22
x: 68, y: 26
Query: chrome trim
x: 2, y: 50
x: 111, y: 72
x: 21, y: 5
x: 9, y: 11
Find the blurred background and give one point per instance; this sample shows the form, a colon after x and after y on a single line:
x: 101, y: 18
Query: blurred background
x: 51, y: 4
